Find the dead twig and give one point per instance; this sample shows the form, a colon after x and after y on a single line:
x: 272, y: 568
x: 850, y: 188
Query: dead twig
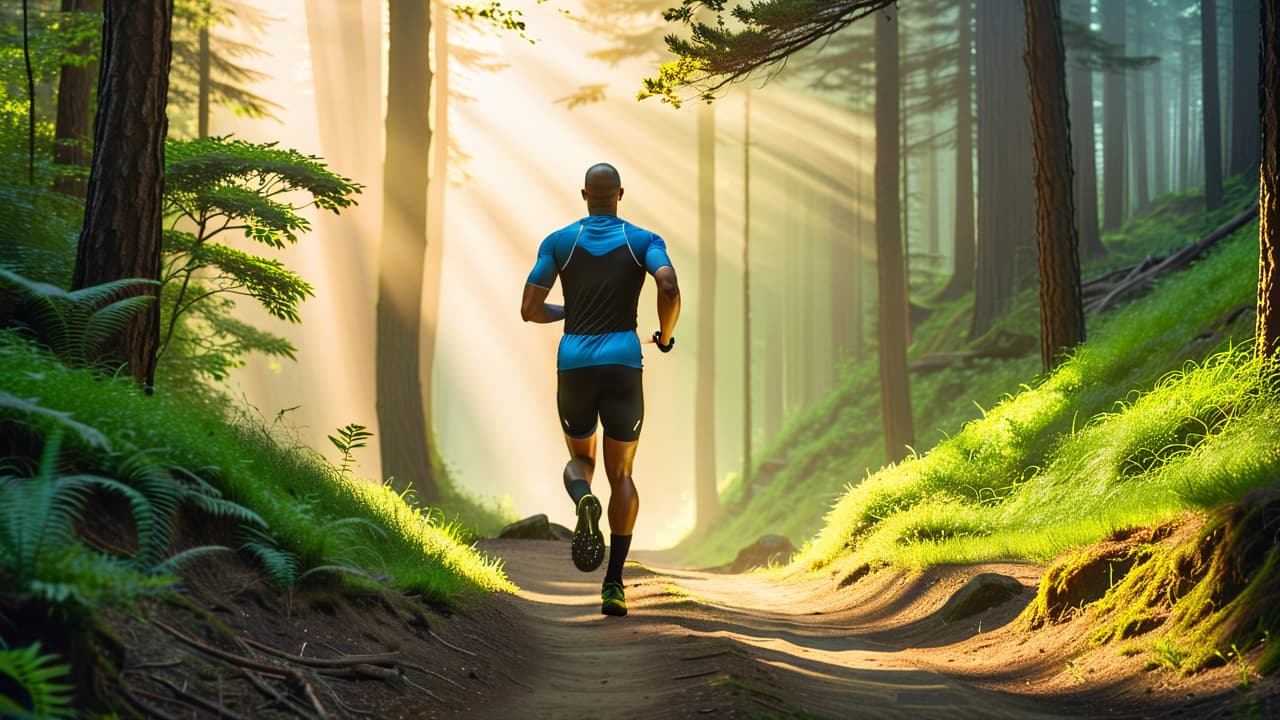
x: 193, y: 699
x: 289, y: 674
x: 425, y: 691
x: 390, y: 658
x: 338, y: 700
x: 277, y: 697
x: 390, y: 675
x: 221, y: 654
x: 149, y: 711
x: 449, y: 645
x: 432, y: 673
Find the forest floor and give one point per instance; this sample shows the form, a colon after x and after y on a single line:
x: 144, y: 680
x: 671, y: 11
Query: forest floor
x: 695, y: 644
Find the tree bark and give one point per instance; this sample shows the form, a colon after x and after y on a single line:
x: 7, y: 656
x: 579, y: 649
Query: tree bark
x: 746, y: 295
x: 1061, y: 307
x: 1006, y: 207
x: 1184, y: 107
x: 1211, y: 107
x: 72, y: 134
x: 1160, y: 131
x: 895, y: 390
x: 1113, y: 120
x: 1267, y: 335
x: 1244, y: 83
x: 961, y: 280
x: 204, y: 72
x: 1085, y: 186
x: 122, y: 214
x: 706, y: 497
x: 1138, y: 141
x: 436, y: 205
x: 406, y: 456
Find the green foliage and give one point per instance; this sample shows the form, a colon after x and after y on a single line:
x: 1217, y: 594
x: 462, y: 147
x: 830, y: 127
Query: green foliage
x: 324, y: 518
x: 220, y: 185
x: 38, y: 231
x: 39, y: 551
x: 43, y: 682
x: 76, y: 325
x: 350, y: 437
x: 750, y: 37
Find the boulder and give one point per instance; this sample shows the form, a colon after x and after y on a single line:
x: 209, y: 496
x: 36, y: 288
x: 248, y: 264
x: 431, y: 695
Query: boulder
x: 769, y: 549
x: 983, y: 592
x: 535, y: 527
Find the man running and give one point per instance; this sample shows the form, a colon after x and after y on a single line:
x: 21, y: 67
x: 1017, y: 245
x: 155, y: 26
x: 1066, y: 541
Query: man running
x: 602, y: 260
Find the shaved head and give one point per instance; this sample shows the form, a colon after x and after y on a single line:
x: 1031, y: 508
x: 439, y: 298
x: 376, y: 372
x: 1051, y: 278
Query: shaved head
x: 602, y: 181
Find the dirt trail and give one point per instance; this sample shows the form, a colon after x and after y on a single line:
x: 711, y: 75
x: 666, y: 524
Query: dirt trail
x: 699, y: 644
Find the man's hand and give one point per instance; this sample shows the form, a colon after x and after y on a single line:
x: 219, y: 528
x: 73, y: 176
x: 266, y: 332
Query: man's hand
x: 657, y: 340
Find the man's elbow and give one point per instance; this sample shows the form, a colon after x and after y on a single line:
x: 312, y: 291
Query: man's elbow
x: 668, y: 288
x: 527, y: 313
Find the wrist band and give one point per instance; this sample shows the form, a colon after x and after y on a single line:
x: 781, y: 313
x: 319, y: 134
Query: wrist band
x: 657, y: 340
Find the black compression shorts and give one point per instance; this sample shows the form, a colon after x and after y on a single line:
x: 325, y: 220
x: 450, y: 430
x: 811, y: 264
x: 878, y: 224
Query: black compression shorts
x: 614, y: 393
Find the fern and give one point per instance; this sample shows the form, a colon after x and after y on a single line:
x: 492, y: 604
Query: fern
x: 42, y: 681
x: 89, y: 435
x: 75, y: 325
x: 280, y: 565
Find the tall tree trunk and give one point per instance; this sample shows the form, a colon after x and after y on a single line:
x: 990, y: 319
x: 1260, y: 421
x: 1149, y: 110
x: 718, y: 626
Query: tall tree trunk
x: 1113, y: 120
x: 707, y: 499
x: 1006, y: 206
x: 436, y: 207
x: 1267, y: 336
x: 1061, y: 307
x: 72, y: 134
x: 746, y: 296
x: 1244, y: 81
x: 1212, y: 109
x: 961, y: 280
x: 1161, y: 144
x: 1138, y: 141
x: 1184, y: 107
x: 1085, y: 186
x: 406, y: 456
x: 205, y: 84
x: 122, y: 213
x: 895, y: 389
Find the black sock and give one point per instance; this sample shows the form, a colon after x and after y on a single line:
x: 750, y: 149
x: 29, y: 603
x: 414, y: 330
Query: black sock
x: 619, y: 546
x: 577, y: 488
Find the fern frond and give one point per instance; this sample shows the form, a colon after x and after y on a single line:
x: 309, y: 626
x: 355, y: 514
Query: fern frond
x: 90, y: 435
x: 107, y: 322
x: 280, y: 566
x: 163, y: 494
x: 223, y: 508
x: 171, y: 564
x: 41, y: 678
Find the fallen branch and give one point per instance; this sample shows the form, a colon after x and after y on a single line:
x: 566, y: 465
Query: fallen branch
x: 390, y: 658
x: 1177, y: 260
x: 149, y: 711
x: 388, y: 675
x: 288, y: 674
x: 234, y: 659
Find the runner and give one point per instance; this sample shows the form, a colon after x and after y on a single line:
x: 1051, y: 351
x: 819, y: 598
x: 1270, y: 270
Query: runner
x: 602, y: 261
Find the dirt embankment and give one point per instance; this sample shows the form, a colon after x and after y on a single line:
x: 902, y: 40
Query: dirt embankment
x: 696, y: 644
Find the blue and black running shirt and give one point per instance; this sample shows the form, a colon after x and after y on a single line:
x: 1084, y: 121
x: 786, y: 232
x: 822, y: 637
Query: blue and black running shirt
x: 602, y: 261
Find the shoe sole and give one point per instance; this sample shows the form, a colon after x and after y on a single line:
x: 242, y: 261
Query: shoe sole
x: 613, y: 610
x: 588, y: 542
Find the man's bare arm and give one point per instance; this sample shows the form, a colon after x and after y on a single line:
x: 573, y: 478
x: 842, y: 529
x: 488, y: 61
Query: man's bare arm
x: 668, y: 302
x: 535, y: 308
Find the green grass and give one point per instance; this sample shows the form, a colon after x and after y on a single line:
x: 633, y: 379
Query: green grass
x: 1109, y: 439
x: 301, y: 496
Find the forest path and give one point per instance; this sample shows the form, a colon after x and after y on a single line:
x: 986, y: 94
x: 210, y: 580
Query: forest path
x: 700, y: 644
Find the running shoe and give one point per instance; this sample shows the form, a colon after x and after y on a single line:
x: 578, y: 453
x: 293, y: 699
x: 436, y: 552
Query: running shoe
x: 612, y: 601
x: 588, y: 542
